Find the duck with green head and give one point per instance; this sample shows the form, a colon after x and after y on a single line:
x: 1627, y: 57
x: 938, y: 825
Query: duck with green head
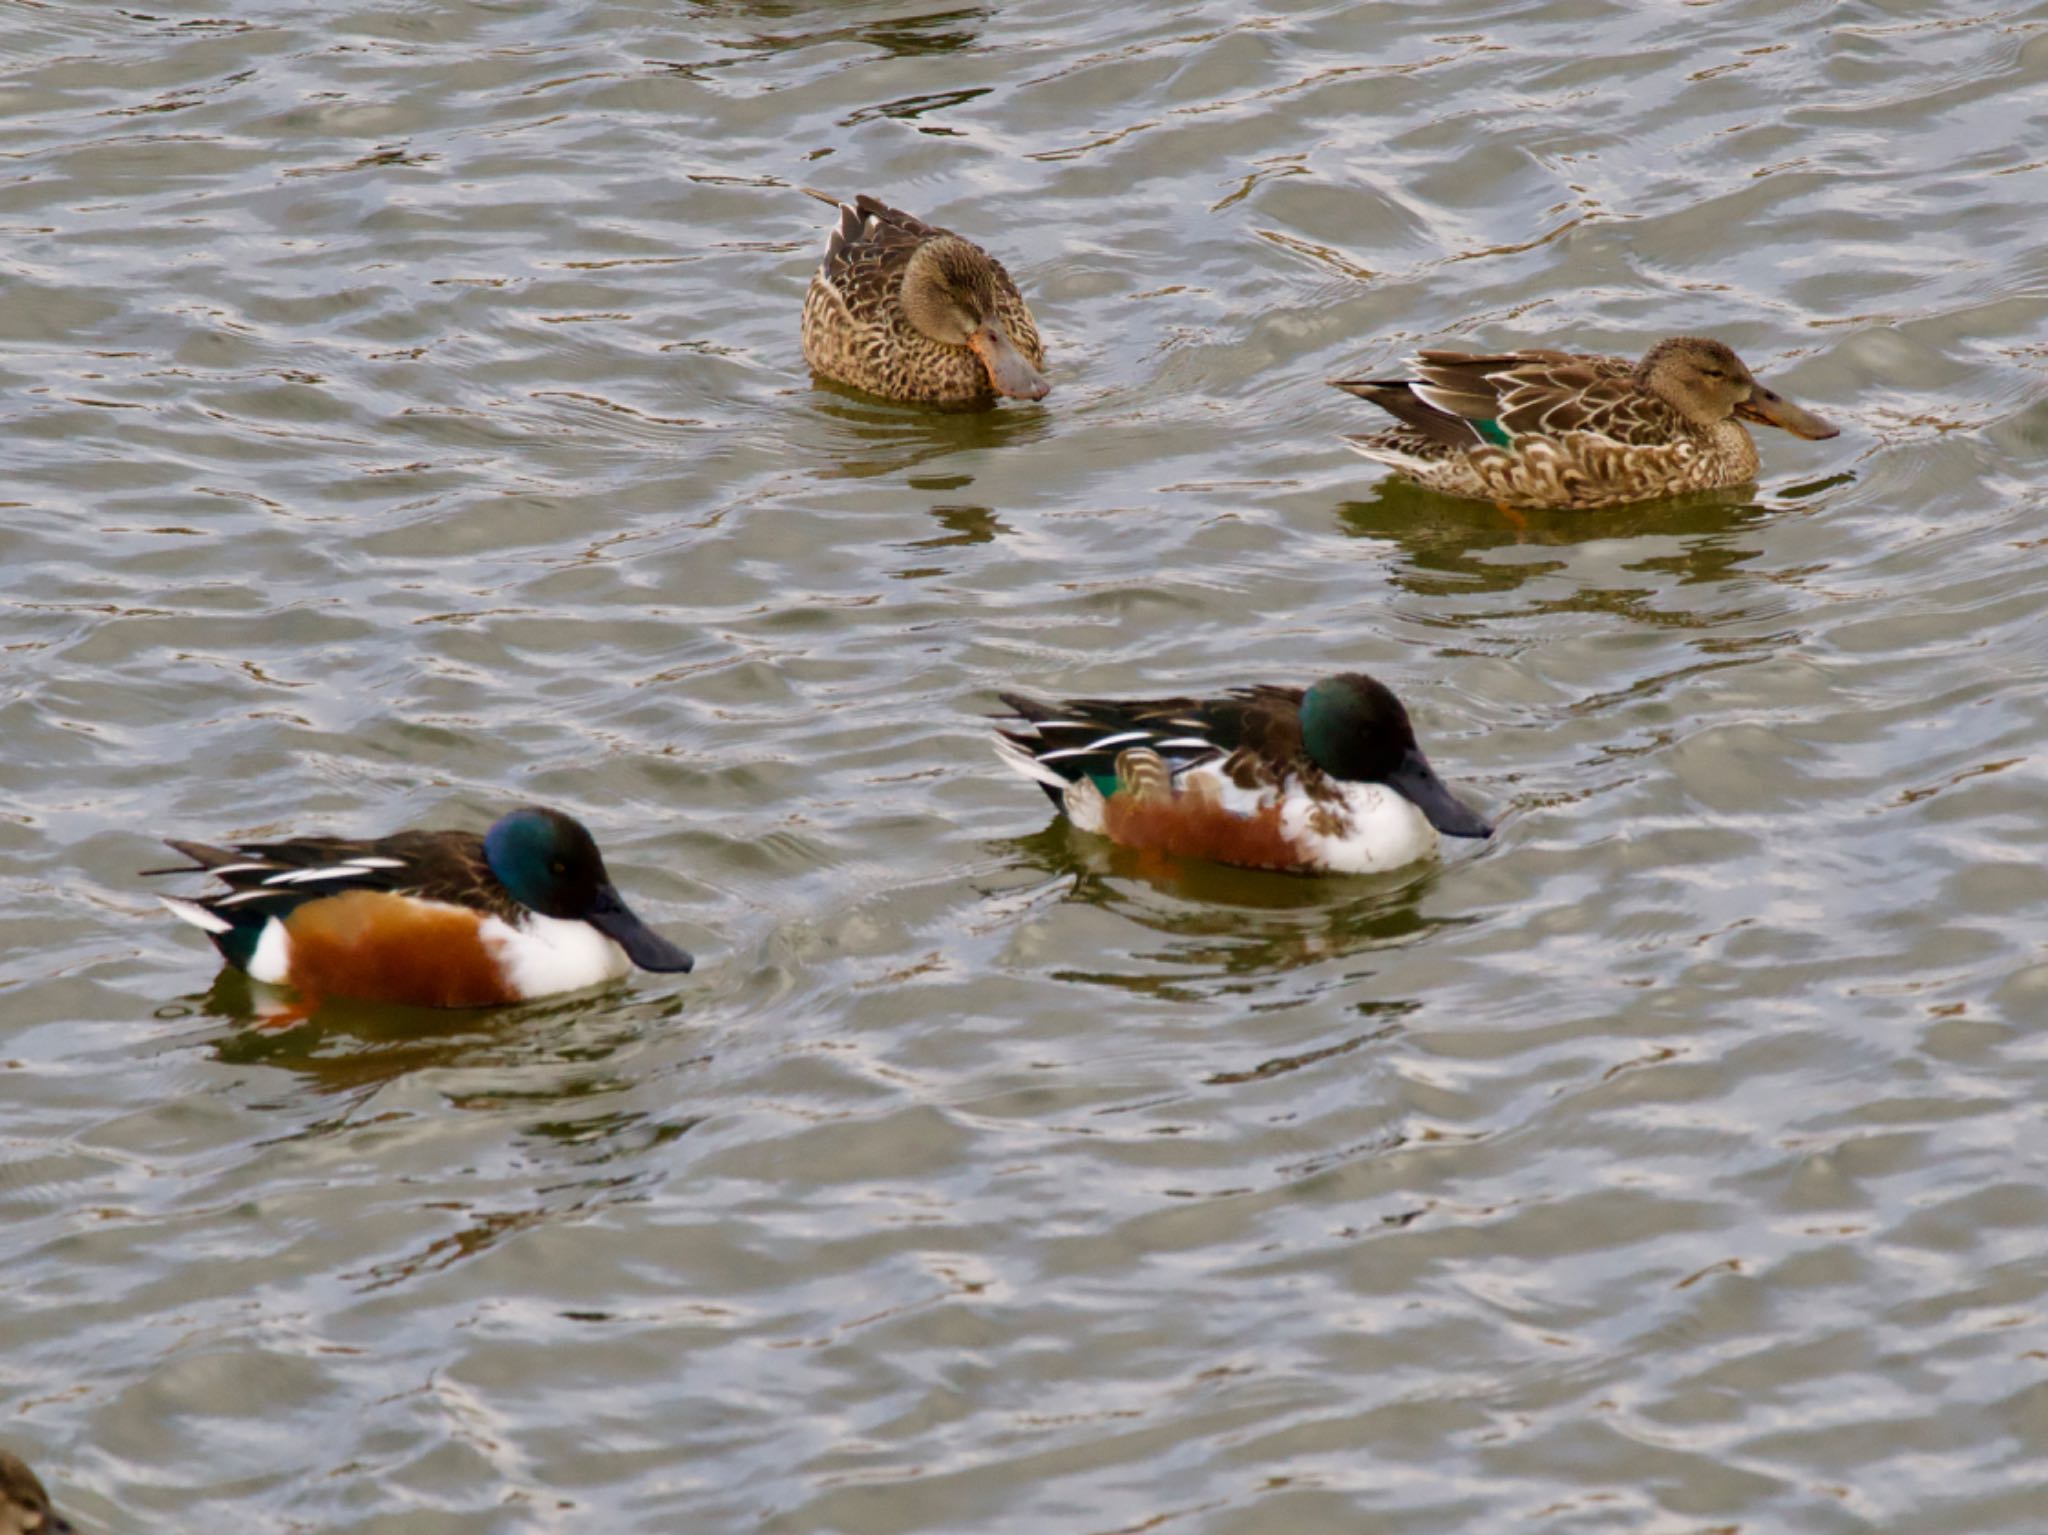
x: 425, y: 918
x: 1327, y: 779
x: 1543, y: 429
x: 912, y: 312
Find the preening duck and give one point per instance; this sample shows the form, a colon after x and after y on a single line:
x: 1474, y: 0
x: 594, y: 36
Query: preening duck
x: 24, y: 1505
x: 909, y: 311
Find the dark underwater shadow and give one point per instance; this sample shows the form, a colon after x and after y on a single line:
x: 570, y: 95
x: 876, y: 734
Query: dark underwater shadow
x: 345, y: 1046
x: 1444, y: 540
x: 805, y: 23
x: 871, y: 437
x: 569, y: 1120
x: 1227, y: 922
x: 963, y: 528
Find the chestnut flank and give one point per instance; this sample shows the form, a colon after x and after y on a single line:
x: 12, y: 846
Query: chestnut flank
x: 379, y: 947
x: 1194, y: 825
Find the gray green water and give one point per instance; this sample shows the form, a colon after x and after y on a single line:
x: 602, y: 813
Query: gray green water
x: 404, y: 418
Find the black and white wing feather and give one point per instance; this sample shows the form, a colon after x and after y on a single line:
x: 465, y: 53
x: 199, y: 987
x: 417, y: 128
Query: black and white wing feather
x: 1255, y: 733
x: 271, y: 879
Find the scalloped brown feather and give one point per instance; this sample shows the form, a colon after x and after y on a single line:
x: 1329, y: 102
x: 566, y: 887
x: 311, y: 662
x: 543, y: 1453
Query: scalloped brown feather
x: 24, y: 1503
x: 854, y: 326
x: 1583, y: 430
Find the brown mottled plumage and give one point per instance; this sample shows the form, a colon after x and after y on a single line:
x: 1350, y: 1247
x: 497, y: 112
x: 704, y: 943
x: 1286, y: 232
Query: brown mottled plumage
x: 1561, y: 429
x: 24, y: 1505
x: 912, y: 312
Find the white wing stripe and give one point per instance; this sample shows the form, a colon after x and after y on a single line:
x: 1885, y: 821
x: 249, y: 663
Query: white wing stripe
x: 1023, y: 762
x: 314, y: 876
x: 197, y: 915
x: 1444, y: 400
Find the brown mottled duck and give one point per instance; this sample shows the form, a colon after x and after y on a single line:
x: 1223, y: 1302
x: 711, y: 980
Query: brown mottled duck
x: 912, y: 312
x: 24, y: 1505
x: 1543, y: 429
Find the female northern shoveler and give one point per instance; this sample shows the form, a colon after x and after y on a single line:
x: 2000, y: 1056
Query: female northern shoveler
x: 430, y: 918
x: 1329, y: 780
x: 24, y: 1506
x: 910, y: 312
x: 1558, y: 429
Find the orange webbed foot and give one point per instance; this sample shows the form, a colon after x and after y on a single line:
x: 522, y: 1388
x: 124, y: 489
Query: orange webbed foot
x: 282, y: 1016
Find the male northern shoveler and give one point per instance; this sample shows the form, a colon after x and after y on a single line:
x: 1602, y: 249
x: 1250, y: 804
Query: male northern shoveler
x: 1561, y: 429
x: 24, y: 1506
x: 911, y: 312
x: 1328, y: 780
x: 429, y: 918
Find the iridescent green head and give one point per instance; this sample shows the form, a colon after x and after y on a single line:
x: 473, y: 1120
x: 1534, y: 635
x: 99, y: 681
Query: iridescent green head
x: 1354, y: 728
x: 549, y: 863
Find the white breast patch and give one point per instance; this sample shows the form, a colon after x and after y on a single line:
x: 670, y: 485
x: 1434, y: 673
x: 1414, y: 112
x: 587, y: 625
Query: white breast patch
x: 543, y: 955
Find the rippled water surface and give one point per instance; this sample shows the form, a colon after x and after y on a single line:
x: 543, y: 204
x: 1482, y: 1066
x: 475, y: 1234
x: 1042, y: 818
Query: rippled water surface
x: 404, y: 418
